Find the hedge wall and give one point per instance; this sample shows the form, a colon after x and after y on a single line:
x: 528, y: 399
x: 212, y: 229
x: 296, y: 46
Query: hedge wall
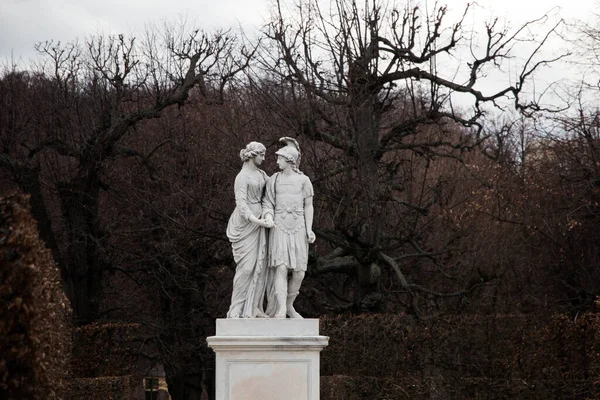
x: 463, y: 357
x: 106, y: 388
x: 35, y: 332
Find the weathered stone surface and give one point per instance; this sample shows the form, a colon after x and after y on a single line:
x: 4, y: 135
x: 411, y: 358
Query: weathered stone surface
x: 267, y: 359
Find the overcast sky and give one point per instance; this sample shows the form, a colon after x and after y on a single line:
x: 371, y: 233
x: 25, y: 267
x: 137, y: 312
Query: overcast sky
x: 25, y: 22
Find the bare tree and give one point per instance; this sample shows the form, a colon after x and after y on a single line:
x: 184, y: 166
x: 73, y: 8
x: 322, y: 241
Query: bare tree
x: 90, y: 99
x: 365, y: 85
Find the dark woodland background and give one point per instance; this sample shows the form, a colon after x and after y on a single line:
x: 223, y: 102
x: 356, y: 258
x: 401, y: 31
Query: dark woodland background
x: 458, y: 247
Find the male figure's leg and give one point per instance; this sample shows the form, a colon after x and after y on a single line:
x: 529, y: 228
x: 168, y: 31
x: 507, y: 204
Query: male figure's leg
x: 281, y: 290
x: 293, y: 290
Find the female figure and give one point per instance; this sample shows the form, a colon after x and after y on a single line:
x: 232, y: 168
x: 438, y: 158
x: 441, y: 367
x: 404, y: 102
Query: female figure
x: 246, y: 232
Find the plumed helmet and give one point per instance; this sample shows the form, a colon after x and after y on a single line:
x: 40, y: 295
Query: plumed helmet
x: 292, y: 143
x: 290, y: 153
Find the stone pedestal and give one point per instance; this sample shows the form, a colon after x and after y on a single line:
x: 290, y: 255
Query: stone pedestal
x: 267, y: 359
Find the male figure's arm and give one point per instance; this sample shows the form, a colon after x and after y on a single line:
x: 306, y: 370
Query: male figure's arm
x: 309, y: 212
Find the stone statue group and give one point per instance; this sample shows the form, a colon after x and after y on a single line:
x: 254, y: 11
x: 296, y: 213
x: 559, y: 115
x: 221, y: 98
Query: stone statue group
x: 269, y: 231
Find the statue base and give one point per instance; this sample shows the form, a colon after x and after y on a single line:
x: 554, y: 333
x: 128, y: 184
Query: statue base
x: 267, y: 359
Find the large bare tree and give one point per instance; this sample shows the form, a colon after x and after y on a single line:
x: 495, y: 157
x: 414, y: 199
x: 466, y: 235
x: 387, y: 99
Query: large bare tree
x: 384, y: 93
x: 87, y: 100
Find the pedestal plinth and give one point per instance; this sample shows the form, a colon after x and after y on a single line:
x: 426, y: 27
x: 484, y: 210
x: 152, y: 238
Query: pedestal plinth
x: 267, y: 359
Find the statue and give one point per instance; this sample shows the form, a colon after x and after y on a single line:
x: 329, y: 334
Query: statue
x: 247, y: 233
x: 288, y: 208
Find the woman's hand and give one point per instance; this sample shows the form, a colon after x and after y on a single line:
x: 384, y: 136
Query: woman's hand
x: 262, y: 222
x: 265, y: 223
x: 311, y: 236
x: 269, y: 221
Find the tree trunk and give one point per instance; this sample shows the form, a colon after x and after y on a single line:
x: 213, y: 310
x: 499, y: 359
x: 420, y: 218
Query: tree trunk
x: 366, y: 142
x: 183, y: 360
x: 369, y: 295
x: 84, y: 265
x: 366, y: 130
x: 186, y: 386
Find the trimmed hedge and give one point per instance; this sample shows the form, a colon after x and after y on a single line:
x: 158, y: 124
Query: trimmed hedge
x: 396, y: 357
x: 105, y: 349
x: 35, y: 331
x: 105, y: 387
x: 341, y: 387
x: 488, y: 357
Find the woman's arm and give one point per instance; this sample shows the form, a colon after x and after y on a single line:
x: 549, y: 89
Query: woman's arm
x: 268, y: 201
x: 241, y: 201
x: 241, y: 196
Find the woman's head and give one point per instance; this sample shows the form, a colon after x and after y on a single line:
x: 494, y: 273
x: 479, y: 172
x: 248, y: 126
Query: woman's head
x: 252, y: 150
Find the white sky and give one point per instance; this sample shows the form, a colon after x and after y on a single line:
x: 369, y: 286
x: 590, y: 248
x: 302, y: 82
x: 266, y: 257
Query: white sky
x: 25, y: 22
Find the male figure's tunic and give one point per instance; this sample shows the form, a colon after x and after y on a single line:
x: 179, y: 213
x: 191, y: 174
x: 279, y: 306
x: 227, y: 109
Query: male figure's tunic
x: 284, y: 199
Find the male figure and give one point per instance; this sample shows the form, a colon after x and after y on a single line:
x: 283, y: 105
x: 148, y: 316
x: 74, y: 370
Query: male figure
x: 288, y: 204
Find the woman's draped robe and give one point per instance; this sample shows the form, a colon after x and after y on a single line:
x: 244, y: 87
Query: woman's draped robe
x: 249, y: 244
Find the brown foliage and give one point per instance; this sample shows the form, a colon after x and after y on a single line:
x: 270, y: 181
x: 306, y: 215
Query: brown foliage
x: 34, y: 316
x: 510, y: 356
x: 342, y: 387
x: 104, y: 350
x: 105, y: 387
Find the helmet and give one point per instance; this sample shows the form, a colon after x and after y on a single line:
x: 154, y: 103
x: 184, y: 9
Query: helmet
x: 290, y: 153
